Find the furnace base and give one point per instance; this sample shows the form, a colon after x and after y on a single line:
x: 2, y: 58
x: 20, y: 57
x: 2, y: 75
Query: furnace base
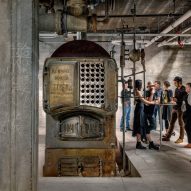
x: 80, y: 162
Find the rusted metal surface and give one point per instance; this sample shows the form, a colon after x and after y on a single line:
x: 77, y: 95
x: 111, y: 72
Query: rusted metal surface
x: 80, y: 162
x: 83, y: 135
x: 81, y: 48
x: 81, y: 127
x: 80, y: 98
x: 88, y: 84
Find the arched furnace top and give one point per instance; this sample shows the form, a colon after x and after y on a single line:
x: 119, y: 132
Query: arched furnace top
x: 80, y: 48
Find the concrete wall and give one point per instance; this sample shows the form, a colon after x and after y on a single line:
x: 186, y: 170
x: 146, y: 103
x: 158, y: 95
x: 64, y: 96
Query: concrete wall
x: 167, y: 62
x: 19, y: 92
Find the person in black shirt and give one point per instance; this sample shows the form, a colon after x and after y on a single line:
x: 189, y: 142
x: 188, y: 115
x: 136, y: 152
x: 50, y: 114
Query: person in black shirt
x: 166, y: 96
x: 149, y: 115
x: 187, y: 114
x: 177, y: 112
x: 126, y: 95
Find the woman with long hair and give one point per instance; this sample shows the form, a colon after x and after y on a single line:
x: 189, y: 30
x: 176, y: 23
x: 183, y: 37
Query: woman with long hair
x: 139, y: 120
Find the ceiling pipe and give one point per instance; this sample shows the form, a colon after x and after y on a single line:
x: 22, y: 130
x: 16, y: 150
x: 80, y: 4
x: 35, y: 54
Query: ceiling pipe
x: 146, y: 15
x: 50, y: 23
x: 116, y: 34
x: 172, y: 26
x: 130, y: 42
x: 170, y: 39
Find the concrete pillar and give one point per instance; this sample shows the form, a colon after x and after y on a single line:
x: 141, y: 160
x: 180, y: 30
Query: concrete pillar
x: 19, y: 95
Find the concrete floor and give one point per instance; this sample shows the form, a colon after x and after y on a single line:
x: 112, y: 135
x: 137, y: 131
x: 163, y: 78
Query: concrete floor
x: 165, y: 170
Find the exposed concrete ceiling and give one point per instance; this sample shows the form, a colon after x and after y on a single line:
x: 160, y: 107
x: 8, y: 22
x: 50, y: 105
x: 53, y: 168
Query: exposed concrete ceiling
x: 150, y: 16
x: 139, y: 16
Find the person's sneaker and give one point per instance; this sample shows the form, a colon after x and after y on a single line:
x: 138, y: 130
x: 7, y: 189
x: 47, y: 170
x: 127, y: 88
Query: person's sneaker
x: 188, y: 146
x: 140, y: 146
x: 166, y: 139
x: 144, y: 140
x: 122, y: 130
x: 153, y: 146
x: 173, y: 134
x: 178, y: 141
x: 129, y: 129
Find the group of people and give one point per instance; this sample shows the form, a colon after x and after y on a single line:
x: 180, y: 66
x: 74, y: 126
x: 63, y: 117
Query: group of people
x: 147, y: 108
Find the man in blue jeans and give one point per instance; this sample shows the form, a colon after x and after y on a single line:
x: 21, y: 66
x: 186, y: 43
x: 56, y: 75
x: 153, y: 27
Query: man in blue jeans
x: 157, y: 96
x: 127, y: 104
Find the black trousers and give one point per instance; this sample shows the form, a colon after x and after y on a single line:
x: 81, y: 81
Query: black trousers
x: 150, y: 122
x: 187, y: 124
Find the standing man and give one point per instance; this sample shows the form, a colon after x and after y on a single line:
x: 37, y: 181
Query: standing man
x: 157, y: 96
x: 126, y: 97
x: 180, y: 92
x: 150, y: 109
x: 187, y: 114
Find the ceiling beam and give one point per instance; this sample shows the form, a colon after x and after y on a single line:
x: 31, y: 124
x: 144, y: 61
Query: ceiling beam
x: 172, y: 26
x: 172, y: 38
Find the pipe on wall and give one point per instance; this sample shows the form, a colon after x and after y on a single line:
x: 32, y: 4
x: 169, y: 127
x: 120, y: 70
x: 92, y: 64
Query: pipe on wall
x: 63, y: 23
x: 74, y: 20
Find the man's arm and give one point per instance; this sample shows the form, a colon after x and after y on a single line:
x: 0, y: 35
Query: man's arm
x: 138, y: 94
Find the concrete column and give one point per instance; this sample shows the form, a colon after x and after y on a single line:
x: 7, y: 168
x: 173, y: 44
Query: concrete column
x: 18, y: 95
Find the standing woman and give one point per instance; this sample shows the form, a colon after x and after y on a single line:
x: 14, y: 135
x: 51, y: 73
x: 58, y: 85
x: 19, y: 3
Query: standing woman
x: 139, y: 121
x: 167, y: 95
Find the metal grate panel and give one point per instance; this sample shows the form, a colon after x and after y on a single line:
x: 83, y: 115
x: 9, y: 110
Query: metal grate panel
x: 92, y: 82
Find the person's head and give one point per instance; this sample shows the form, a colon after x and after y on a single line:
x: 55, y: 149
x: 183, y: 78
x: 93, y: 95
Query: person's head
x: 150, y: 85
x: 188, y: 87
x: 126, y: 84
x: 177, y: 81
x: 138, y: 84
x: 157, y: 84
x: 166, y: 84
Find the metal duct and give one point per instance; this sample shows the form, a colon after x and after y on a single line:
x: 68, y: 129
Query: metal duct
x: 74, y: 24
x: 50, y: 22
